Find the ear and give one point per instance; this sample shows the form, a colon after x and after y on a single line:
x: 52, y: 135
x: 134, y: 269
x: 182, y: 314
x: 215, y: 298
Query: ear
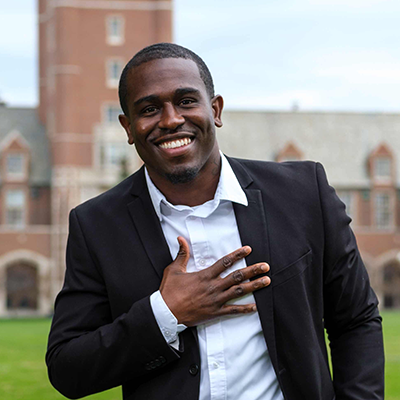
x: 124, y: 121
x: 217, y: 104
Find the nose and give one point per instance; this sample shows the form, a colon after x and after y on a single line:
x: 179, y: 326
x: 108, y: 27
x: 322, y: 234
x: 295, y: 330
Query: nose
x: 170, y: 118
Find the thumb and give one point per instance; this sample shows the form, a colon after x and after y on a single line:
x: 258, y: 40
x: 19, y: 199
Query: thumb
x: 183, y: 255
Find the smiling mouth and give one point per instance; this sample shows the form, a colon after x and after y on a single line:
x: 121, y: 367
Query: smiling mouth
x: 174, y: 144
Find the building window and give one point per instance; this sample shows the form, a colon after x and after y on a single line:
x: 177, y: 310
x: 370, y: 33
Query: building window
x: 22, y: 287
x: 115, y: 30
x: 382, y: 167
x: 113, y: 154
x: 114, y: 69
x: 15, y: 208
x: 111, y: 113
x: 15, y: 166
x: 383, y: 212
x: 347, y: 198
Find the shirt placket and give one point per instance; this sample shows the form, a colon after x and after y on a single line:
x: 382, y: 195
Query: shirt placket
x: 213, y: 330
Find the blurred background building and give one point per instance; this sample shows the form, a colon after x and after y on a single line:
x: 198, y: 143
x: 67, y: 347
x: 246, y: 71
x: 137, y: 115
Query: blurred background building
x: 72, y: 148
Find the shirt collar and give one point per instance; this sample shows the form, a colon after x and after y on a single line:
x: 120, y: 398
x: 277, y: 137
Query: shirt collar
x: 228, y: 189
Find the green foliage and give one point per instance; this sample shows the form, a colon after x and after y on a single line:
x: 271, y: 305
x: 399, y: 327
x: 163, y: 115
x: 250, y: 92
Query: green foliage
x: 23, y: 373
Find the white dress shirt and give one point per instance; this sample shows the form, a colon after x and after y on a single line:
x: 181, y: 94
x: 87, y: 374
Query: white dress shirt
x: 235, y: 363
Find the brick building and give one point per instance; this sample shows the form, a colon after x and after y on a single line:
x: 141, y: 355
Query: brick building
x: 25, y: 213
x: 72, y: 148
x: 83, y: 46
x: 361, y: 155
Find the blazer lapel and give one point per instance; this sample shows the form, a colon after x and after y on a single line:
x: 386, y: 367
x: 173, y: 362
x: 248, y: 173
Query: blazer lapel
x: 149, y: 230
x: 148, y: 225
x: 253, y: 229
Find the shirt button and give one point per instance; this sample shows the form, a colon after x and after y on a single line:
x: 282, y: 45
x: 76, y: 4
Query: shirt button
x: 193, y: 369
x: 215, y: 365
x: 202, y: 262
x: 157, y: 362
x: 167, y: 333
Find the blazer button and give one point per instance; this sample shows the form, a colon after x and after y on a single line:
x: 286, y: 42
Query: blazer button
x: 193, y: 369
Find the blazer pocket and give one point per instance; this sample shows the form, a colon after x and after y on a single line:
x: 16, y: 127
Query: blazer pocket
x: 292, y: 270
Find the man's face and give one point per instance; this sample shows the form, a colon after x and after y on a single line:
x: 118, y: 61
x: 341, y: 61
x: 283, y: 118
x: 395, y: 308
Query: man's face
x: 172, y: 119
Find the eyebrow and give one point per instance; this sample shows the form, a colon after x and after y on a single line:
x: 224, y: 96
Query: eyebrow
x: 145, y: 99
x: 187, y: 90
x: 178, y: 92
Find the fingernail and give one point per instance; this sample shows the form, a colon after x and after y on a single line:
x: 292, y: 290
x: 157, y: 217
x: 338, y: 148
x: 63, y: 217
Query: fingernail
x: 254, y: 308
x: 265, y: 281
x: 264, y: 267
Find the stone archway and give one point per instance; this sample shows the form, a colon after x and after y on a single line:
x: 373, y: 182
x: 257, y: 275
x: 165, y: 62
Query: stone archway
x: 25, y: 284
x: 22, y: 286
x: 391, y: 284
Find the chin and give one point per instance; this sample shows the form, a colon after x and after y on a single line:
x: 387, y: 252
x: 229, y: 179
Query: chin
x: 183, y: 176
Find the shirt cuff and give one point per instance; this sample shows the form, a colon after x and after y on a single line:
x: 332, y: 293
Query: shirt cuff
x: 166, y: 321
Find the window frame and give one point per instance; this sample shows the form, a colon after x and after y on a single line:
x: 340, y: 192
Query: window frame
x: 21, y: 223
x: 389, y: 211
x: 16, y: 175
x: 115, y: 38
x: 108, y: 110
x: 378, y: 163
x: 112, y: 79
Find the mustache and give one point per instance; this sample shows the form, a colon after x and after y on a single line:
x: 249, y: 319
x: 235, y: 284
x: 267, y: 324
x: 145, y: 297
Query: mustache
x: 179, y: 129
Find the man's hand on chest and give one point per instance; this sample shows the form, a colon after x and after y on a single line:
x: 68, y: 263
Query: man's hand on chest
x: 200, y: 296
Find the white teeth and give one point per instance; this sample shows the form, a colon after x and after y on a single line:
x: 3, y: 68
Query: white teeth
x: 176, y: 143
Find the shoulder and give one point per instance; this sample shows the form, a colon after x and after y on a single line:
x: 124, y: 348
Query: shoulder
x: 295, y: 172
x: 115, y: 198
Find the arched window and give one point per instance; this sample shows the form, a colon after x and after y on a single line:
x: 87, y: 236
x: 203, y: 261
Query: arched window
x: 22, y: 287
x: 391, y: 285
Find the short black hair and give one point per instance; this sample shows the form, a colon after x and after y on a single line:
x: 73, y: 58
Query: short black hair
x: 159, y: 51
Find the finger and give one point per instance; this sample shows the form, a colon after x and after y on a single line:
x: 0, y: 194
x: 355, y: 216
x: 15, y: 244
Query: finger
x: 244, y: 288
x: 227, y: 261
x: 244, y: 274
x: 183, y: 255
x: 234, y: 309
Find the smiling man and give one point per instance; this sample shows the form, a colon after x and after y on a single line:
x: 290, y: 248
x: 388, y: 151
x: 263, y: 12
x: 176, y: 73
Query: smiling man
x: 206, y: 277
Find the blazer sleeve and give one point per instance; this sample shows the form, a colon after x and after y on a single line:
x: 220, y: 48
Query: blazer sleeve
x: 351, y: 315
x: 88, y: 352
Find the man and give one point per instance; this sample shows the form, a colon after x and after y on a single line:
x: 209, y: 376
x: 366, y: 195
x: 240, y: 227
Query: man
x: 264, y: 259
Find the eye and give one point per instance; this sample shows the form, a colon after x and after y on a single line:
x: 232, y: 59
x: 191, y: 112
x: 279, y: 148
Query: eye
x: 186, y: 102
x: 149, y: 110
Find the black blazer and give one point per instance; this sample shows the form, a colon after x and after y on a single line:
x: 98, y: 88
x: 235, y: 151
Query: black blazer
x: 104, y: 333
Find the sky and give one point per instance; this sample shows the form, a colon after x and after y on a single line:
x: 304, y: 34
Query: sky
x: 323, y: 55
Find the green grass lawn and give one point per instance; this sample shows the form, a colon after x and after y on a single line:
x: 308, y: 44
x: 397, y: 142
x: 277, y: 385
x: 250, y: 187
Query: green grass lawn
x: 23, y: 373
x: 391, y: 334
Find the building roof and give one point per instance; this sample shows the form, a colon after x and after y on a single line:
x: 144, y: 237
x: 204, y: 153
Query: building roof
x: 341, y: 141
x: 26, y: 123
